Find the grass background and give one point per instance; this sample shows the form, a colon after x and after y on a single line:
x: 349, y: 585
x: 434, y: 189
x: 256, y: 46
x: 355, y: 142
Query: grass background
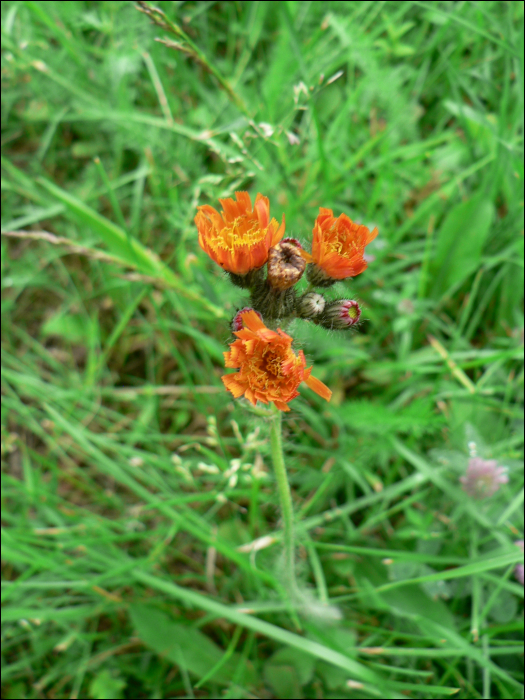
x: 131, y: 478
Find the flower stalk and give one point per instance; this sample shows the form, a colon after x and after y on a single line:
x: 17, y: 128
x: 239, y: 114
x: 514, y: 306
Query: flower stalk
x: 285, y: 498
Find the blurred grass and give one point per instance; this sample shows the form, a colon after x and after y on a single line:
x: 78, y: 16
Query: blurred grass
x: 131, y: 479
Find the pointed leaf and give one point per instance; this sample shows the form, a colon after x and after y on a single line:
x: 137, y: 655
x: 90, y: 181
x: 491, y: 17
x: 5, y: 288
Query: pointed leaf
x: 460, y: 243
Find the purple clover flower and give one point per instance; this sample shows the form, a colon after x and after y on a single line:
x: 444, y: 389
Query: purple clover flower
x: 483, y: 478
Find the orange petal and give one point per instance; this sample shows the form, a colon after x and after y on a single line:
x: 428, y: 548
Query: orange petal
x: 358, y: 267
x: 286, y: 338
x: 319, y: 388
x: 250, y: 396
x: 230, y: 209
x: 244, y: 202
x: 262, y: 208
x: 281, y: 406
x: 371, y: 235
x: 207, y: 216
x: 231, y: 383
x: 252, y: 321
x: 305, y: 255
x: 303, y: 362
x: 279, y: 233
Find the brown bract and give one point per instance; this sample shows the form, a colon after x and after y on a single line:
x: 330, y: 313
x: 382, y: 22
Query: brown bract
x: 339, y: 244
x: 269, y: 370
x: 239, y: 238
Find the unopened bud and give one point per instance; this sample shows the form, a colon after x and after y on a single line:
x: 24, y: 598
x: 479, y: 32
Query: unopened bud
x: 237, y: 324
x: 286, y: 264
x: 310, y: 305
x: 341, y: 314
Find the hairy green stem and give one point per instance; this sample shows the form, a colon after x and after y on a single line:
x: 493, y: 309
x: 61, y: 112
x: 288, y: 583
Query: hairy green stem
x: 285, y: 498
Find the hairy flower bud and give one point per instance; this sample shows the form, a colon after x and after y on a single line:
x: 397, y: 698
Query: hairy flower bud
x: 340, y: 314
x: 310, y: 305
x: 237, y: 323
x: 286, y: 264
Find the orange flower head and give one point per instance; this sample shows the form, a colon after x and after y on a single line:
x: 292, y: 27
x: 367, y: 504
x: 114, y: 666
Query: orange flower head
x: 239, y: 238
x: 339, y: 244
x: 269, y: 370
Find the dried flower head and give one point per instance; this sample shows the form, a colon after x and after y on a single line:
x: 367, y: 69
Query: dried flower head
x: 338, y: 248
x: 519, y: 570
x: 239, y: 238
x: 269, y: 370
x: 483, y: 478
x: 286, y: 264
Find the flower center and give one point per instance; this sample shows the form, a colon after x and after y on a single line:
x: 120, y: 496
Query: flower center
x: 352, y: 312
x: 341, y: 243
x: 266, y: 368
x: 272, y: 365
x: 242, y: 231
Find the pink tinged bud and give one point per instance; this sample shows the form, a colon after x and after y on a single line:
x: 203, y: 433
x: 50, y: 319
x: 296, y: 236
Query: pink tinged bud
x: 483, y: 478
x: 237, y: 323
x: 519, y: 570
x: 341, y: 314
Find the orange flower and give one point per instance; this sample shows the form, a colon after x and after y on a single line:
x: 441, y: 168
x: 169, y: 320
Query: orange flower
x: 238, y: 238
x: 269, y: 370
x: 339, y: 244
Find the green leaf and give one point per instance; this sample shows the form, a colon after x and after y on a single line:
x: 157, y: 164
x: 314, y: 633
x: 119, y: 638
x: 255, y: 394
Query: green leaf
x: 72, y: 327
x: 333, y: 677
x: 105, y: 687
x: 185, y: 646
x: 505, y: 607
x: 283, y: 681
x: 315, y: 649
x: 460, y: 243
x: 302, y: 663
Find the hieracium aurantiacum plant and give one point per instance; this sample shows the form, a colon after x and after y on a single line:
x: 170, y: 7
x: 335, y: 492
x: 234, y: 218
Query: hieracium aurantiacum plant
x: 251, y: 247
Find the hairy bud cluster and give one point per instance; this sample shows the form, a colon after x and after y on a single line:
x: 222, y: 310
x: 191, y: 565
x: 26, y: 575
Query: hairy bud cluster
x: 274, y: 297
x: 249, y: 245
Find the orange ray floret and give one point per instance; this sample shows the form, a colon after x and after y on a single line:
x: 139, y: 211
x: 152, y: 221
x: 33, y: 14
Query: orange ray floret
x: 269, y: 370
x: 339, y: 244
x: 239, y: 238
